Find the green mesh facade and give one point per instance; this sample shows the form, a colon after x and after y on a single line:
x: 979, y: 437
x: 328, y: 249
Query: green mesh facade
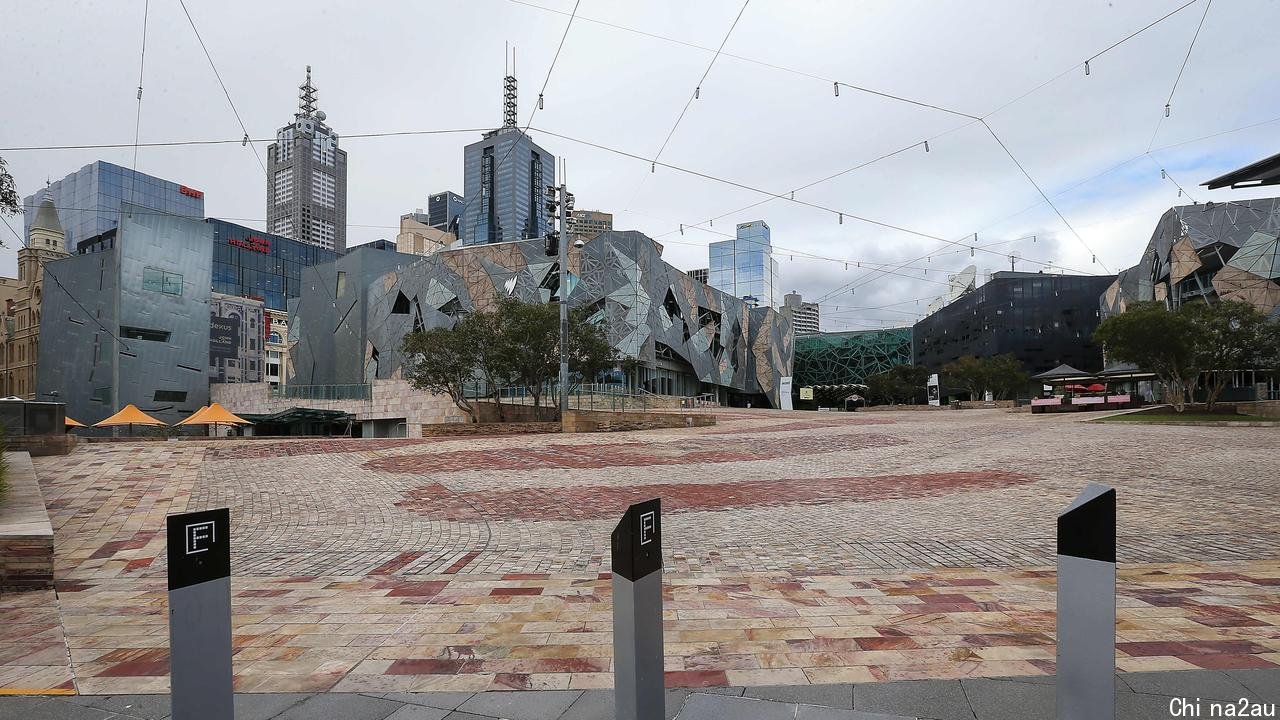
x: 849, y: 357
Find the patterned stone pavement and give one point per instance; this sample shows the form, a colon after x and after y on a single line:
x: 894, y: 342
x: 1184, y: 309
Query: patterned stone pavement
x: 801, y: 548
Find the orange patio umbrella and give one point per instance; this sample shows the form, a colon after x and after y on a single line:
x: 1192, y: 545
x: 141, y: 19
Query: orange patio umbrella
x: 214, y: 415
x: 71, y: 423
x: 193, y: 418
x: 130, y: 415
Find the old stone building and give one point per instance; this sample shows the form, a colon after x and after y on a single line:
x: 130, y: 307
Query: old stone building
x: 22, y: 299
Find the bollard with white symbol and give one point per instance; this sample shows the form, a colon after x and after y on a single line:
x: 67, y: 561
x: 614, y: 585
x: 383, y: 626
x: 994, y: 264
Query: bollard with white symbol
x: 637, y: 613
x: 200, y: 615
x: 1087, y: 606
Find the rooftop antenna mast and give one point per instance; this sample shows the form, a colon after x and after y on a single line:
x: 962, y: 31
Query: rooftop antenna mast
x: 509, y: 119
x: 307, y: 97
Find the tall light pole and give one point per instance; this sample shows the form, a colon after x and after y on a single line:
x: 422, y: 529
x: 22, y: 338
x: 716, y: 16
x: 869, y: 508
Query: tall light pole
x: 560, y: 207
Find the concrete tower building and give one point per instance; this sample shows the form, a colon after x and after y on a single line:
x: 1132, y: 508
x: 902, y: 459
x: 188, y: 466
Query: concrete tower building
x: 307, y: 178
x: 505, y: 176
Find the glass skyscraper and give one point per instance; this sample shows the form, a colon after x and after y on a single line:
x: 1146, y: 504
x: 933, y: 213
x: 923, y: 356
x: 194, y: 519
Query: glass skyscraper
x: 505, y: 177
x: 88, y: 201
x: 745, y: 267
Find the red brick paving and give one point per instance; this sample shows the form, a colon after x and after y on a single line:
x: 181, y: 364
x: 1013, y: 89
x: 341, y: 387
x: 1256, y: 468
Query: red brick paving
x: 603, y: 501
x: 632, y: 454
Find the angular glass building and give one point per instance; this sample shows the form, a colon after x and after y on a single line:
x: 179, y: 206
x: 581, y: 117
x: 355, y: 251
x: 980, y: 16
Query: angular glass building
x: 1044, y: 320
x: 88, y: 201
x: 745, y: 268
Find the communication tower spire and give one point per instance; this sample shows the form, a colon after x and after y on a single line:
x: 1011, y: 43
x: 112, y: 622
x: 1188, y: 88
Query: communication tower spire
x: 307, y: 97
x: 509, y: 114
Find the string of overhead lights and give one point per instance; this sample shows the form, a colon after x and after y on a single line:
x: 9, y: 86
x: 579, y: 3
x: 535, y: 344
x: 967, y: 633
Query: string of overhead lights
x: 697, y: 94
x: 227, y: 93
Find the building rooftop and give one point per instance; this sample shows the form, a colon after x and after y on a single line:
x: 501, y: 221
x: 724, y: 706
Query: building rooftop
x: 1262, y: 172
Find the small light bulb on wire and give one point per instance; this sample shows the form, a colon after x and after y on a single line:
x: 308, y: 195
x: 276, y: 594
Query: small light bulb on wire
x: 697, y: 92
x: 1166, y: 109
x: 926, y: 146
x: 837, y: 88
x: 1086, y: 67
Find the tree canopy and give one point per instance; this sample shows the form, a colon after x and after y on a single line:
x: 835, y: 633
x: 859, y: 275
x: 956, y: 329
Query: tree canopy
x: 1001, y: 374
x: 516, y: 343
x: 899, y: 384
x: 1179, y: 345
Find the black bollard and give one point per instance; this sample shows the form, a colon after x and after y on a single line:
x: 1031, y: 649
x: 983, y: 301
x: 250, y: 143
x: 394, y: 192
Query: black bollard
x: 1087, y: 606
x: 637, y: 613
x: 200, y: 615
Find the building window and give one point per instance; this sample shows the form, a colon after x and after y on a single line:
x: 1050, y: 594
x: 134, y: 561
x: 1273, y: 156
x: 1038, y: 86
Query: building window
x: 137, y: 333
x: 170, y: 396
x: 322, y: 188
x: 157, y: 280
x: 283, y: 186
x: 274, y: 337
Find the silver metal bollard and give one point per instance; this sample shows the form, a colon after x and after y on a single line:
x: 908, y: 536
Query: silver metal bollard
x: 636, y: 543
x: 1087, y: 606
x: 200, y: 615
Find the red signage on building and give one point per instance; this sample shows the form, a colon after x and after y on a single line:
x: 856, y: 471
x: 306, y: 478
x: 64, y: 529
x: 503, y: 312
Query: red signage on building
x: 190, y: 192
x: 256, y: 243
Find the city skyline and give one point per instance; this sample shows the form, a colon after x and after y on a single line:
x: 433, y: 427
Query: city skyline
x: 965, y: 183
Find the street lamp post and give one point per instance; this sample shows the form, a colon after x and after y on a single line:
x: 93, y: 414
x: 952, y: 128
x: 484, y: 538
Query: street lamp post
x: 560, y: 207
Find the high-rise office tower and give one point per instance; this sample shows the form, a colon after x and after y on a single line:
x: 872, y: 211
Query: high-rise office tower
x: 700, y: 274
x: 307, y: 178
x: 444, y: 210
x: 590, y: 223
x: 745, y: 267
x: 805, y: 316
x: 505, y: 175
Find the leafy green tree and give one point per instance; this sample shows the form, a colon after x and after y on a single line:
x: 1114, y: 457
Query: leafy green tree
x: 1005, y: 376
x: 492, y: 359
x: 899, y: 384
x: 528, y: 339
x: 442, y: 361
x: 1165, y: 343
x: 1232, y: 335
x: 590, y: 352
x: 9, y: 202
x: 1002, y: 375
x: 969, y: 372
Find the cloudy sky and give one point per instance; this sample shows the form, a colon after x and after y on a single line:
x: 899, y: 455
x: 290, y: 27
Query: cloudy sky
x: 767, y: 118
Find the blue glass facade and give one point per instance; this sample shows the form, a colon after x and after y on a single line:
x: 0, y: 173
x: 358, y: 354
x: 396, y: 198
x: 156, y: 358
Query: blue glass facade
x: 505, y: 174
x: 255, y: 264
x: 443, y: 208
x: 745, y: 267
x: 88, y: 201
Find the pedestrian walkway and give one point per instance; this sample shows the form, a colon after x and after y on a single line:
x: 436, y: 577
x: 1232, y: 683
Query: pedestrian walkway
x: 1139, y: 696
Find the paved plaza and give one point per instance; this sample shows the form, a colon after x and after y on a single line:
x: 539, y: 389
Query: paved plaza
x: 801, y: 549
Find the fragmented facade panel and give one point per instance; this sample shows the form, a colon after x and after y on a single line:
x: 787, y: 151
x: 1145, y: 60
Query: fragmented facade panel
x: 1215, y: 250
x: 689, y: 338
x: 849, y: 358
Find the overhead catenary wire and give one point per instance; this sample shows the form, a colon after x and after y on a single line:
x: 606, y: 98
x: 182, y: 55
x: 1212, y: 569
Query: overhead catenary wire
x: 524, y: 132
x: 1169, y: 102
x: 137, y: 121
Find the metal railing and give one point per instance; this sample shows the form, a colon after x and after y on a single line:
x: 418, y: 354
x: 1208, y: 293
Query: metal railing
x: 362, y: 391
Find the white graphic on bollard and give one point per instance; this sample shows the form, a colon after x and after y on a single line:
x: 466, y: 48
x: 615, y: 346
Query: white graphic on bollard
x: 646, y: 528
x: 199, y: 537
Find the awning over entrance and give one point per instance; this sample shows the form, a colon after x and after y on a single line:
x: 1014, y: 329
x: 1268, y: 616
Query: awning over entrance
x: 299, y: 415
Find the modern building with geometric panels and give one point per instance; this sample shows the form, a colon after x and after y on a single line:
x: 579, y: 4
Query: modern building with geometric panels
x: 1204, y: 252
x: 689, y: 339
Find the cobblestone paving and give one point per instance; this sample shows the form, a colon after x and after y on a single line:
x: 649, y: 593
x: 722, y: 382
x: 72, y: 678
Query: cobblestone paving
x: 800, y: 549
